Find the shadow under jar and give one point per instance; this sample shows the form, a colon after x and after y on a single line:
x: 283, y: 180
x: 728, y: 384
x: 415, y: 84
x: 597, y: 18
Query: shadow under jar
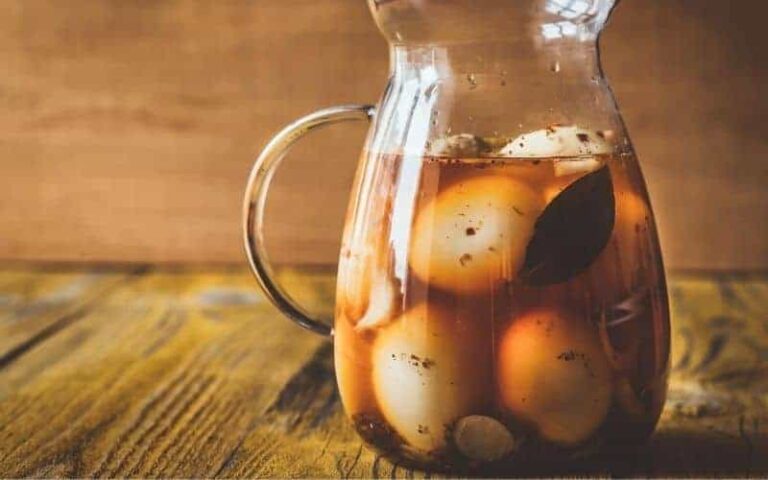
x: 501, y: 298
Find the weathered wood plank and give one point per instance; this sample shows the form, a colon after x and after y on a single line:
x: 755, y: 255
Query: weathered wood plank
x: 34, y: 306
x: 160, y: 378
x: 179, y: 374
x: 715, y: 419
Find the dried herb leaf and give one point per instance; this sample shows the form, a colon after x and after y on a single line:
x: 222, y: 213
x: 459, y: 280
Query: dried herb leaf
x: 571, y: 231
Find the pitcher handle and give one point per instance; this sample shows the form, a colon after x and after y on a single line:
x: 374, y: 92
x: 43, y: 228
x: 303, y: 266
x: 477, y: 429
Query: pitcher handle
x: 255, y: 201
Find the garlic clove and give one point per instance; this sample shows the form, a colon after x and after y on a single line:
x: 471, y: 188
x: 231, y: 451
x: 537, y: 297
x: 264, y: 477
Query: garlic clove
x: 383, y: 303
x: 354, y: 284
x: 483, y: 438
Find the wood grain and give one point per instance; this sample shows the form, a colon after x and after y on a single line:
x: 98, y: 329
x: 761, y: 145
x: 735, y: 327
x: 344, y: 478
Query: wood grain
x: 128, y: 128
x: 161, y: 370
x: 191, y: 373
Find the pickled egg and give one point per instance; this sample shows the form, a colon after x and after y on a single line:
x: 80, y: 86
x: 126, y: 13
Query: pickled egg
x: 558, y: 141
x: 562, y: 141
x: 632, y: 215
x: 431, y: 367
x: 553, y: 374
x: 556, y: 187
x: 474, y: 234
x: 620, y: 283
x: 627, y: 256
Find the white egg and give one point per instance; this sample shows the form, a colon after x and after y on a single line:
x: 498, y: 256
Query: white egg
x: 473, y: 235
x: 558, y: 141
x: 561, y: 141
x: 553, y: 374
x: 431, y: 367
x: 539, y: 143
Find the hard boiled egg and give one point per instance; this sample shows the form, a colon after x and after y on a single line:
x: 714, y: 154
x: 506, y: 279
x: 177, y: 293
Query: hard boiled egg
x: 557, y: 141
x: 553, y: 374
x: 562, y: 141
x: 633, y: 218
x: 474, y: 234
x: 430, y: 368
x: 620, y: 267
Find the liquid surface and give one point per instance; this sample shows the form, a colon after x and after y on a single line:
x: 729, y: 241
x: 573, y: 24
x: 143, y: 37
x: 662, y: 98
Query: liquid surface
x: 492, y: 311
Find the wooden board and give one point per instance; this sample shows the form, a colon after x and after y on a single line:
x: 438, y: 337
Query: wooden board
x: 191, y: 373
x: 127, y: 129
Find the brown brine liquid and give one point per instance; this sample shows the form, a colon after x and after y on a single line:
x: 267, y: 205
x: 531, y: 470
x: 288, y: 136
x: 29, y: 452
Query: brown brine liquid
x: 494, y: 311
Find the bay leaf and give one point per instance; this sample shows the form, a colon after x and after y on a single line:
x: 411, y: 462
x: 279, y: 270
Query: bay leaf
x: 571, y: 231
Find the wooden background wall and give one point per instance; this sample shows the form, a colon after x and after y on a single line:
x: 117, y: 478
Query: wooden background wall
x: 127, y: 128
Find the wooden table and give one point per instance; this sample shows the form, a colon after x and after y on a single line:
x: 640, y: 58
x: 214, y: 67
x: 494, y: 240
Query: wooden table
x: 191, y: 373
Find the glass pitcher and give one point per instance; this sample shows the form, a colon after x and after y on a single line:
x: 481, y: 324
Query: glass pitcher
x: 501, y: 296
